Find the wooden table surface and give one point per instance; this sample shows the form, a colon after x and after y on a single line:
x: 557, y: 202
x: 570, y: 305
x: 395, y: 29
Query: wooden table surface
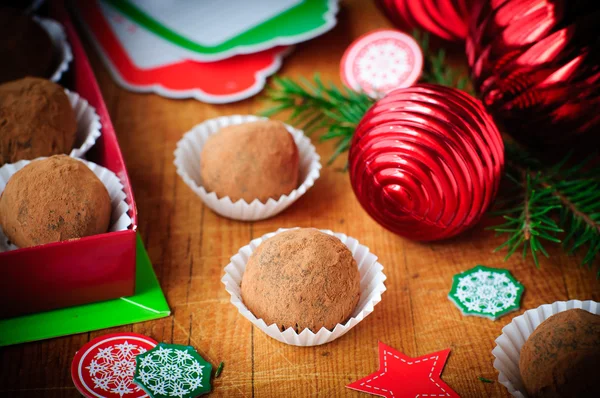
x: 189, y: 245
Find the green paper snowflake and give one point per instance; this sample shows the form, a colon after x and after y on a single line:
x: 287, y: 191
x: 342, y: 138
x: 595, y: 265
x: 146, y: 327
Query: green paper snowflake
x: 171, y: 370
x: 486, y: 292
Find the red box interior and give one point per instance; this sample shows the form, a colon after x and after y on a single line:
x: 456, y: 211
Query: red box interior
x: 86, y: 270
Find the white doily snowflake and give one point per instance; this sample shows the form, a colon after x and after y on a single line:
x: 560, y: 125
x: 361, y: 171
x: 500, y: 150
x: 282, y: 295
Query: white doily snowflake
x: 170, y: 372
x: 383, y: 64
x: 486, y: 292
x: 113, y: 367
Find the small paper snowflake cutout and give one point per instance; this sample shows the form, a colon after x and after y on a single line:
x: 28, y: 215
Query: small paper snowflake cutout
x: 486, y: 292
x: 112, y: 368
x: 171, y: 370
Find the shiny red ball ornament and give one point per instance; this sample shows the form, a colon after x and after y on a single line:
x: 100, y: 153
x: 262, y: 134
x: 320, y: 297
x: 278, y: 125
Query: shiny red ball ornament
x: 426, y: 161
x: 444, y: 18
x: 536, y: 66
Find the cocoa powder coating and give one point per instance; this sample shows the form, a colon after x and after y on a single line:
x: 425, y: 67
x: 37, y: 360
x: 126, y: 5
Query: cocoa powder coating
x: 52, y: 200
x: 36, y: 119
x: 257, y: 160
x: 301, y: 278
x: 561, y: 358
x: 25, y: 47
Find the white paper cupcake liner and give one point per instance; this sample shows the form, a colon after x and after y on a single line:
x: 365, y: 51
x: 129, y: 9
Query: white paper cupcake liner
x: 187, y: 161
x: 508, y: 346
x: 371, y: 287
x: 88, y: 124
x: 119, y: 220
x: 61, y: 46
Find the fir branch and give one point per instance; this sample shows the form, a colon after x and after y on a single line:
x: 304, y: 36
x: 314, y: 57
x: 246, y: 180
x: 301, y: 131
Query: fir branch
x: 579, y: 214
x: 557, y: 202
x: 317, y: 106
x: 528, y: 224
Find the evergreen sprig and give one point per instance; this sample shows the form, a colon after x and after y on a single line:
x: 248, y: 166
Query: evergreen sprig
x: 528, y: 222
x: 317, y: 106
x: 560, y: 203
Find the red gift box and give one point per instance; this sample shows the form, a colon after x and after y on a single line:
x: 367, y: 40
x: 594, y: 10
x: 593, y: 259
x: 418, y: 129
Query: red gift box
x: 86, y: 270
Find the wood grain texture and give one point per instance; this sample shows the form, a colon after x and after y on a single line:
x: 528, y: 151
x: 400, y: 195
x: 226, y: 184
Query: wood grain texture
x: 189, y: 246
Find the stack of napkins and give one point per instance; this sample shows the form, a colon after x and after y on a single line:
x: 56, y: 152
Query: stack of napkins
x: 216, y: 51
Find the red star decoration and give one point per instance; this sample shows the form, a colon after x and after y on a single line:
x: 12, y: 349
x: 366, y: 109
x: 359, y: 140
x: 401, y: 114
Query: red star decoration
x: 400, y: 376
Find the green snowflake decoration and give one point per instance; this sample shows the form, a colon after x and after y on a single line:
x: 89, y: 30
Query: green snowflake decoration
x: 171, y: 370
x: 486, y: 292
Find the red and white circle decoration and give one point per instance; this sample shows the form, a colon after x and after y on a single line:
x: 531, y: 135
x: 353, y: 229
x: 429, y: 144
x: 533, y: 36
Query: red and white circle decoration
x: 380, y: 62
x: 104, y: 367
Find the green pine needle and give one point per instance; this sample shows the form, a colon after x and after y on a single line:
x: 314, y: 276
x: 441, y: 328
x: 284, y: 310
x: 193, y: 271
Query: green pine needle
x: 484, y: 380
x: 561, y: 203
x: 317, y: 106
x: 219, y: 370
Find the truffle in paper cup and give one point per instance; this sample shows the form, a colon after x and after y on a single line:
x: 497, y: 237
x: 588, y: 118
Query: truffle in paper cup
x: 187, y: 162
x: 514, y: 335
x: 62, y: 50
x: 371, y: 287
x: 119, y: 219
x: 88, y: 124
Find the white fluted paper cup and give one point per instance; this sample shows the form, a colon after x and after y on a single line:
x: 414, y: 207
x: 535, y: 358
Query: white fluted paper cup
x: 88, y: 124
x: 187, y: 162
x: 62, y: 49
x: 119, y: 220
x: 371, y: 288
x: 514, y: 335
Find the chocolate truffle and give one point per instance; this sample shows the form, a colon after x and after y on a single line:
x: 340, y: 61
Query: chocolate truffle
x: 36, y: 119
x: 562, y: 355
x: 52, y: 200
x: 25, y: 47
x: 301, y: 278
x: 257, y: 160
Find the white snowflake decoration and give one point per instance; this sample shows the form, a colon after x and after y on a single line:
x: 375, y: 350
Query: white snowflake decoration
x: 170, y: 372
x: 487, y: 292
x: 113, y: 367
x: 383, y: 64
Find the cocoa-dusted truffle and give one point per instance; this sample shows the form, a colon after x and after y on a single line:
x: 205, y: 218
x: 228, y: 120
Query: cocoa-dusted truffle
x: 302, y: 278
x: 52, y: 200
x: 36, y: 119
x: 25, y: 47
x: 257, y: 160
x: 562, y: 355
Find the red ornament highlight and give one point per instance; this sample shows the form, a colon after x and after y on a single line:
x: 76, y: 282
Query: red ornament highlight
x: 536, y: 66
x: 426, y: 161
x: 447, y: 19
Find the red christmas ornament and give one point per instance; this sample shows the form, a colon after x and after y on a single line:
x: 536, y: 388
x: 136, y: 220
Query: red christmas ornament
x: 400, y: 376
x: 536, y: 65
x: 426, y: 161
x: 444, y: 18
